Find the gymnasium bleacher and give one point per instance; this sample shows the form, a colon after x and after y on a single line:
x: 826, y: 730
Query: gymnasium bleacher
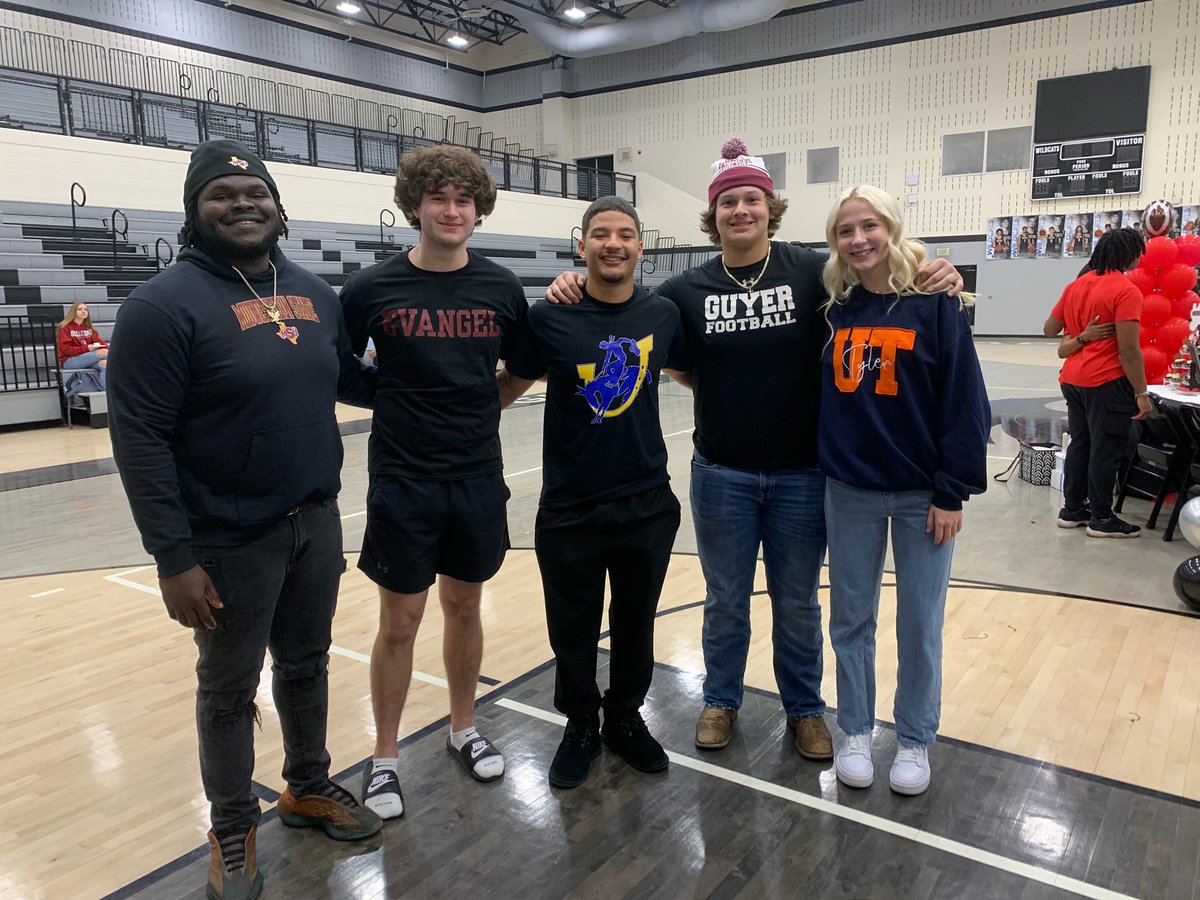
x: 48, y: 262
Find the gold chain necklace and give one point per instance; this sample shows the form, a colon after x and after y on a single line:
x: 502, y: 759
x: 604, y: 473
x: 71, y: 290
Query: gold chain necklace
x: 748, y: 283
x: 272, y: 307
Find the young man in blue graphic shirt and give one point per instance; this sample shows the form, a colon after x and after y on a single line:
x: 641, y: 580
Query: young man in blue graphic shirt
x: 606, y: 506
x: 440, y: 317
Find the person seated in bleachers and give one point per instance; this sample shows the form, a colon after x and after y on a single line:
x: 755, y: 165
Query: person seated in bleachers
x: 80, y: 345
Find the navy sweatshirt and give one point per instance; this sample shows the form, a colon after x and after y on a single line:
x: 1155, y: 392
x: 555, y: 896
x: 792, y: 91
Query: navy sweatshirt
x: 222, y: 420
x: 903, y: 404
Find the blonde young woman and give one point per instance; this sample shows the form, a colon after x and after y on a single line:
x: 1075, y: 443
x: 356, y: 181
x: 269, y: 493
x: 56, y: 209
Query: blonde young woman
x: 903, y: 435
x: 80, y: 345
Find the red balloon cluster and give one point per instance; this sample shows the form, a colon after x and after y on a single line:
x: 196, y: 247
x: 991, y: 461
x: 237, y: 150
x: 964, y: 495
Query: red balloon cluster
x: 1166, y: 276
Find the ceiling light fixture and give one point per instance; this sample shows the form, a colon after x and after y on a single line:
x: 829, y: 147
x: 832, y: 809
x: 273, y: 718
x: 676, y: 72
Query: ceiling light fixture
x: 575, y: 14
x: 457, y: 41
x: 350, y: 9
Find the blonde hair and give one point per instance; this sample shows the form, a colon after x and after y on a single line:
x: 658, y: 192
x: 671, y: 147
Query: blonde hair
x: 904, y: 255
x: 87, y: 320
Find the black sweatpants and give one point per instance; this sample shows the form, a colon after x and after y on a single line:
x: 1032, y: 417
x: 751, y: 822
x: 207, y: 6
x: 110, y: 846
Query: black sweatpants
x: 630, y: 541
x: 1099, y: 420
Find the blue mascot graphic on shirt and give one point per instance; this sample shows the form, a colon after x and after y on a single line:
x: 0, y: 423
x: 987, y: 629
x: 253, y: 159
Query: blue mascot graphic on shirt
x: 610, y: 391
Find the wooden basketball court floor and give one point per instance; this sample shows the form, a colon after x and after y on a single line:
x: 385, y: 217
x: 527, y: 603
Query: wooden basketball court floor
x: 1067, y: 762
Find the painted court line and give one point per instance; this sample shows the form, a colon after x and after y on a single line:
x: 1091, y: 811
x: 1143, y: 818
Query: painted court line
x: 363, y: 658
x: 120, y: 579
x: 965, y: 851
x: 47, y: 593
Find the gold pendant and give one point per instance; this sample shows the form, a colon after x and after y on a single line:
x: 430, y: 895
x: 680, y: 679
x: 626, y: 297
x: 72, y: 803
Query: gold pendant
x: 288, y: 332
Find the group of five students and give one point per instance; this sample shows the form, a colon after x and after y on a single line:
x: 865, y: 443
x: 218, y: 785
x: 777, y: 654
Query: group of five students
x: 222, y: 393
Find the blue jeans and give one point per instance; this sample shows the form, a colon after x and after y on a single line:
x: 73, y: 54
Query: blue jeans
x: 858, y: 521
x: 280, y: 591
x: 89, y: 360
x: 735, y: 511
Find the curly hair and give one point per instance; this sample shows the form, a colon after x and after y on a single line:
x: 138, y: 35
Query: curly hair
x: 189, y: 237
x: 775, y: 210
x: 1116, y: 251
x: 428, y: 169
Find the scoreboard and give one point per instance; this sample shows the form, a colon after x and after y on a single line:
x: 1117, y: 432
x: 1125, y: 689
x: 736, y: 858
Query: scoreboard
x: 1091, y: 168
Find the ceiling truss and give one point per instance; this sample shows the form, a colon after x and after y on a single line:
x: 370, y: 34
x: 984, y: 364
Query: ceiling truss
x: 434, y: 21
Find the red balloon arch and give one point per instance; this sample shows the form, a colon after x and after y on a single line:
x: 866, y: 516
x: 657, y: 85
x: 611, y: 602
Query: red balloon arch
x: 1166, y: 276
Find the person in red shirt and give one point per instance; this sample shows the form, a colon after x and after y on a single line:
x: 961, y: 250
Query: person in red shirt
x: 80, y: 345
x: 1104, y: 382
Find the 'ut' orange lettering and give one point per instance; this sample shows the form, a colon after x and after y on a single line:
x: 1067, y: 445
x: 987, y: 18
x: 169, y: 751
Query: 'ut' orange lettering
x: 848, y: 366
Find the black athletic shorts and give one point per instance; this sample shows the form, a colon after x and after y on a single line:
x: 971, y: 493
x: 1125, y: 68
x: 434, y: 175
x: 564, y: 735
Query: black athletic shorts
x: 417, y: 530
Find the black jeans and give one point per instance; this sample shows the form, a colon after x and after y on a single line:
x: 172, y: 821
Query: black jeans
x: 1100, y: 420
x: 574, y: 557
x: 280, y: 591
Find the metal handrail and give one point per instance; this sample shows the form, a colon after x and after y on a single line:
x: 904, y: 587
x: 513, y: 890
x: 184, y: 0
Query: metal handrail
x: 158, y: 260
x: 298, y: 140
x: 391, y: 237
x: 123, y: 231
x: 81, y: 203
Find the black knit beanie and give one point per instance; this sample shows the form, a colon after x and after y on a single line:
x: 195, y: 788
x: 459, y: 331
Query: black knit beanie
x: 212, y: 159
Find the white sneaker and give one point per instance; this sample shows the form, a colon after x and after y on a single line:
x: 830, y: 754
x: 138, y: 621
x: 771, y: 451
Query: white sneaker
x: 853, y: 763
x: 910, y: 771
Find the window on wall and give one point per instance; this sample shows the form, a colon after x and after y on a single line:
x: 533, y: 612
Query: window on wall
x: 962, y: 154
x: 823, y: 167
x: 776, y: 164
x: 1008, y: 148
x: 998, y: 150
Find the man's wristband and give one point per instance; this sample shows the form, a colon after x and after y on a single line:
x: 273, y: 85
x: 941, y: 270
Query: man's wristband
x: 1079, y: 337
x: 1141, y: 394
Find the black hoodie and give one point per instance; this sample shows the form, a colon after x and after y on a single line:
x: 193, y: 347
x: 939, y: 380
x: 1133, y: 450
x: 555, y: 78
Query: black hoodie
x: 222, y: 420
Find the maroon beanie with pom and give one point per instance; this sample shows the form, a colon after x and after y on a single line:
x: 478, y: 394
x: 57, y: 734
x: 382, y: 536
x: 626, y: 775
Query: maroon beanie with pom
x: 736, y: 169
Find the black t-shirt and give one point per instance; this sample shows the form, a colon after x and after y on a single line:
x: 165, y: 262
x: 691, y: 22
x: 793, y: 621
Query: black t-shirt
x: 756, y: 357
x: 438, y: 337
x: 602, y: 437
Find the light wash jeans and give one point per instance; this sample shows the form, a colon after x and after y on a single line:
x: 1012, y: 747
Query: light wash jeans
x: 857, y: 521
x: 89, y: 360
x: 735, y: 511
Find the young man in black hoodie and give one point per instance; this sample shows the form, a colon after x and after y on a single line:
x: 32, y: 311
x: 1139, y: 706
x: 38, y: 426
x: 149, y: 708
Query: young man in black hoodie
x: 223, y: 429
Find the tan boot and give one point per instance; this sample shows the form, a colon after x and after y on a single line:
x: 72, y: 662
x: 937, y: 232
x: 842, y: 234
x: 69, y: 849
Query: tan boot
x: 813, y: 740
x: 714, y: 728
x: 233, y: 874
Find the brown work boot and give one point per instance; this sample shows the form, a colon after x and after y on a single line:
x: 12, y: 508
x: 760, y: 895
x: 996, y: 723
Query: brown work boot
x: 813, y: 740
x: 714, y: 728
x: 233, y: 867
x: 334, y: 810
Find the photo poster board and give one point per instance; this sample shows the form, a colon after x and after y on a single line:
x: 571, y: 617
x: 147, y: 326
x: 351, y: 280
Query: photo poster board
x: 1024, y: 237
x: 999, y: 236
x: 1078, y: 229
x: 1103, y: 222
x: 1176, y: 216
x: 1050, y: 237
x: 1132, y: 218
x: 1189, y: 220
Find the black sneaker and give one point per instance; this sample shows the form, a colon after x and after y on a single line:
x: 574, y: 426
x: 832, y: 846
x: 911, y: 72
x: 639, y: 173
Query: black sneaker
x: 1074, y: 518
x: 1112, y: 528
x: 627, y: 736
x: 578, y: 750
